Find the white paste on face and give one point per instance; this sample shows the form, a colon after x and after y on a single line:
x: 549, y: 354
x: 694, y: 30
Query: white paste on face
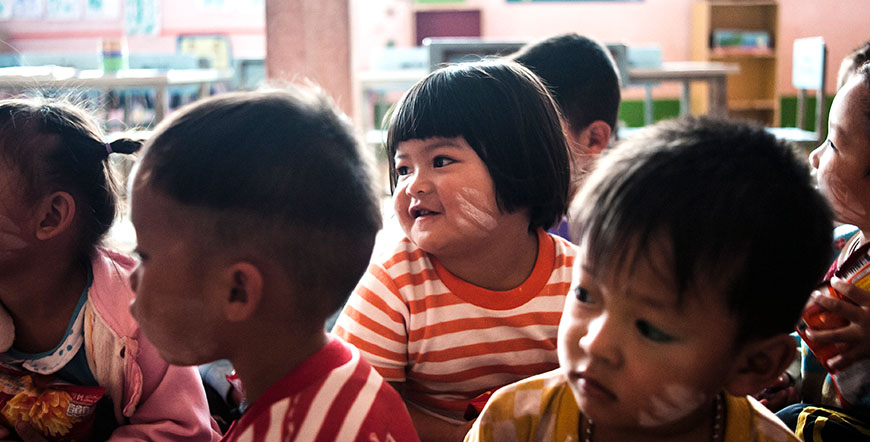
x: 474, y: 214
x: 848, y: 208
x: 675, y: 403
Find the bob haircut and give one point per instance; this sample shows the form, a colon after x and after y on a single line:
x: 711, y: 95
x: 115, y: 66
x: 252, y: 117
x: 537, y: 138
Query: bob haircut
x: 277, y: 174
x: 735, y: 205
x: 510, y: 120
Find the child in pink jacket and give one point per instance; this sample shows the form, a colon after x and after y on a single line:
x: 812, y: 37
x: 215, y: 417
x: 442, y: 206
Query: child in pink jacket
x: 65, y: 324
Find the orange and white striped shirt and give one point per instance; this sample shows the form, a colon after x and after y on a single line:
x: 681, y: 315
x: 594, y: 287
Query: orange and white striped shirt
x: 449, y: 341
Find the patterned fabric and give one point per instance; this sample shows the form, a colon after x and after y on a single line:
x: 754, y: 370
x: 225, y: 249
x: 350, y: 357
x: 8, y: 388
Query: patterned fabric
x: 57, y: 359
x: 449, y: 341
x: 334, y: 395
x: 542, y: 408
x: 817, y: 424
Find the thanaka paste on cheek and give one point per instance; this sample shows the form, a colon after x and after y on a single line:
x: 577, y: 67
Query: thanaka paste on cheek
x: 476, y: 215
x: 675, y: 403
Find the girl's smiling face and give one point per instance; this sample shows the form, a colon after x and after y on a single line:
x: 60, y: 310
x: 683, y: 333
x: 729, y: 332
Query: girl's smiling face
x: 843, y: 160
x: 635, y: 358
x: 445, y: 198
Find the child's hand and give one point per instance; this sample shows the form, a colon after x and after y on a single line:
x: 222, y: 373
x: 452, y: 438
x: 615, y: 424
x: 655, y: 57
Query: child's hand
x: 26, y: 433
x: 853, y: 340
x: 779, y: 394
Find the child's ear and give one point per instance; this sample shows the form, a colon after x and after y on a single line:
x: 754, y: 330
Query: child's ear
x: 760, y: 363
x: 55, y: 215
x: 598, y: 136
x: 245, y: 291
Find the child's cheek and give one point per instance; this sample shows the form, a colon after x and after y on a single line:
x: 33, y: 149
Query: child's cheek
x: 674, y: 403
x: 10, y: 237
x: 848, y: 208
x: 475, y: 211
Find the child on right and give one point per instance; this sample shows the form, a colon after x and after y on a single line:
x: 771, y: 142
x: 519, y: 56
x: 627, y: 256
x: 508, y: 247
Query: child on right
x: 255, y: 216
x: 841, y: 163
x: 701, y: 242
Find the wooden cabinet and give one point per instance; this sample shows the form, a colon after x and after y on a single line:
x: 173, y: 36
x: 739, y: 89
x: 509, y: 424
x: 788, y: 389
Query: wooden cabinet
x: 743, y: 32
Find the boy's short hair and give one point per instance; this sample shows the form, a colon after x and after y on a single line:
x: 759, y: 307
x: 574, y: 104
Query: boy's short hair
x: 850, y: 64
x: 506, y: 115
x: 737, y: 206
x: 580, y: 74
x: 277, y: 174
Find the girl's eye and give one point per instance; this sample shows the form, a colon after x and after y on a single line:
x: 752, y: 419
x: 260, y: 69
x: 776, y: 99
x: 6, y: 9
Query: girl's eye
x: 831, y: 145
x: 402, y: 170
x: 442, y: 161
x: 582, y: 295
x: 652, y: 333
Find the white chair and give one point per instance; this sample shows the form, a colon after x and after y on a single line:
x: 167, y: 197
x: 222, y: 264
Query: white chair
x: 808, y: 73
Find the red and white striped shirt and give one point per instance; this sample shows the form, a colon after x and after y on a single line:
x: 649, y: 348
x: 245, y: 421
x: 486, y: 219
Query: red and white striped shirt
x: 449, y: 341
x: 334, y: 395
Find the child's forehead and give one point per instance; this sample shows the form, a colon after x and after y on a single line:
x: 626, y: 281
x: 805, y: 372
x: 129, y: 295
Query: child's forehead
x: 645, y: 271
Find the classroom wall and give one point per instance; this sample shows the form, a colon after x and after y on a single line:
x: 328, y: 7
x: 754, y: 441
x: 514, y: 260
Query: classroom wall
x: 662, y: 22
x: 242, y: 20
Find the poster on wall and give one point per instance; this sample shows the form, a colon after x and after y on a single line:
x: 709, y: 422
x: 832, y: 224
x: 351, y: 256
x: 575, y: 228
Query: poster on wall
x: 142, y: 17
x: 63, y: 9
x: 27, y: 9
x: 102, y: 9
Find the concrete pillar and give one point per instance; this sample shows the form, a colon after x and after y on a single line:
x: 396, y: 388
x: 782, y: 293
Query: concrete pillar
x: 311, y: 39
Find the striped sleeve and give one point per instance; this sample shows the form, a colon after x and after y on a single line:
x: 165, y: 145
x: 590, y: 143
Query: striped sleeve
x: 375, y: 321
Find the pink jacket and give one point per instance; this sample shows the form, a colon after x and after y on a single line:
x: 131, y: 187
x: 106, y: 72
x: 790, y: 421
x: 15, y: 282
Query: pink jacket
x: 152, y: 400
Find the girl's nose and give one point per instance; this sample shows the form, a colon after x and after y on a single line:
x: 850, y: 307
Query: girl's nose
x: 601, y: 341
x: 816, y: 154
x: 419, y: 183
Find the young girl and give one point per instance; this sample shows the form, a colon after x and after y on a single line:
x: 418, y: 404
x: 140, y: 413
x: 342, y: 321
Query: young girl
x: 842, y: 166
x: 73, y: 336
x: 469, y: 299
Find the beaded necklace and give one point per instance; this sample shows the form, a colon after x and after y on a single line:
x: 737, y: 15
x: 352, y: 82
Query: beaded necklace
x: 717, y: 422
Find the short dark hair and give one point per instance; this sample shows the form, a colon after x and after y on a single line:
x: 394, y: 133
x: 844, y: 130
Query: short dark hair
x: 850, y: 64
x: 57, y: 145
x: 506, y: 115
x: 581, y: 75
x: 279, y: 172
x: 737, y: 205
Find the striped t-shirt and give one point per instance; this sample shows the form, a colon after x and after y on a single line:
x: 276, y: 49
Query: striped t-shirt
x: 449, y: 341
x: 334, y: 395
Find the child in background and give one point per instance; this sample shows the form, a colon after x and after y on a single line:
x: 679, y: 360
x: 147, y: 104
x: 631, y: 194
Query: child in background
x: 582, y: 78
x: 68, y: 297
x: 850, y: 64
x: 842, y: 163
x: 689, y: 282
x: 256, y: 216
x: 469, y: 299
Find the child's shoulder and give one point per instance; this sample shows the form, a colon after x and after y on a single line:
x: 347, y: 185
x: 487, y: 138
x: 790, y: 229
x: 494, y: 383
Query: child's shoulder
x: 541, y: 404
x: 110, y: 291
x: 747, y: 419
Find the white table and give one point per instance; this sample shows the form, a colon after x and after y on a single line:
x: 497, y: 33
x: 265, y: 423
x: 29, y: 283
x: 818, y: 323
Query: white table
x: 715, y: 74
x: 21, y: 78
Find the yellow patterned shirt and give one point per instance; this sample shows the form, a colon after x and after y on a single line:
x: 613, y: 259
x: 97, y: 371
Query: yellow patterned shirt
x: 542, y: 408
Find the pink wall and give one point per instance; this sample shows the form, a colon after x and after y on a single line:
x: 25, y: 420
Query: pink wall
x: 666, y: 23
x: 246, y: 27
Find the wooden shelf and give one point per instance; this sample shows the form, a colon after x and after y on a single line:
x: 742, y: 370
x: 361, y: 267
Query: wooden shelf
x: 753, y: 93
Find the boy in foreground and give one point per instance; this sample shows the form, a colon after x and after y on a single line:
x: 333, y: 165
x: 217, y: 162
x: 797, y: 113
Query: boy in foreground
x: 701, y: 242
x: 255, y: 217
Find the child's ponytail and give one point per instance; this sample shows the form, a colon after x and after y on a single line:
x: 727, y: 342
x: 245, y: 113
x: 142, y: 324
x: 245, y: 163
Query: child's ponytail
x: 58, y: 146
